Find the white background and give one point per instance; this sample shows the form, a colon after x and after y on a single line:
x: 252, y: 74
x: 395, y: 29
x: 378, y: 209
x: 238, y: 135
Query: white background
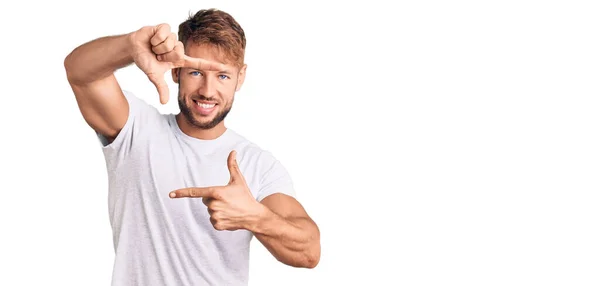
x: 434, y: 142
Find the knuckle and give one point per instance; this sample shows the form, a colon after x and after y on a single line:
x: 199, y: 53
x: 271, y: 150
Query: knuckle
x: 165, y: 31
x: 170, y: 45
x: 219, y: 226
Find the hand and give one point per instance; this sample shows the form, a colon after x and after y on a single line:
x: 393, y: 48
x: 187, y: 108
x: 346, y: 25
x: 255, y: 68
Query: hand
x: 232, y: 206
x: 156, y: 50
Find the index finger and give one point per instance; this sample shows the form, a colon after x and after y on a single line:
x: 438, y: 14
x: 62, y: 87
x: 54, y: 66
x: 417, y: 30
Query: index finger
x: 201, y: 64
x: 192, y: 193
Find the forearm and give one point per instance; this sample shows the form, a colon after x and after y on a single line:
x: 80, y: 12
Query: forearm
x: 98, y: 59
x: 293, y: 241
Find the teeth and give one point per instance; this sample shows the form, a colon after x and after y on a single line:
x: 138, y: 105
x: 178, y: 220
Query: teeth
x: 204, y: 105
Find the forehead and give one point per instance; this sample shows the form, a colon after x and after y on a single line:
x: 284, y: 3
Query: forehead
x: 210, y: 53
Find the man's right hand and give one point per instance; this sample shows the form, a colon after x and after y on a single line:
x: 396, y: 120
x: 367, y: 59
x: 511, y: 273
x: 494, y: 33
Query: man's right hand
x: 90, y: 70
x: 156, y: 50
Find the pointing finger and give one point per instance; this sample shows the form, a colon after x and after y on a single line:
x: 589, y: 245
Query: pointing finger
x: 192, y: 193
x: 202, y: 64
x: 178, y: 57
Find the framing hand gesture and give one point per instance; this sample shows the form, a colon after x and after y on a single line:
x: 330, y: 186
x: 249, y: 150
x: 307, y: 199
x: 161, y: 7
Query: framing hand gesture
x: 232, y: 206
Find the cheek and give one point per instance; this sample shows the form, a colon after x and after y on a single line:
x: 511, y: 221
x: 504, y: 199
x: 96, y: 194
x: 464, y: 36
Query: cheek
x: 226, y: 97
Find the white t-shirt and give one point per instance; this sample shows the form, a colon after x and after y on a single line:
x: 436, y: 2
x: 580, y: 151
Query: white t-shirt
x: 164, y: 241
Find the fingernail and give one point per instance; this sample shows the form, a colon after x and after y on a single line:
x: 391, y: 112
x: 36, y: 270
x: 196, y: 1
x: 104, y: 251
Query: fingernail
x: 172, y: 195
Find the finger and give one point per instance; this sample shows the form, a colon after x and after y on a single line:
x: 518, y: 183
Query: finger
x: 234, y: 169
x: 213, y: 221
x: 202, y: 64
x: 161, y: 86
x: 166, y: 46
x: 192, y: 193
x: 174, y: 56
x: 161, y: 32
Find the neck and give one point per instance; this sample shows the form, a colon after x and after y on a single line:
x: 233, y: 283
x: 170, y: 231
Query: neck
x: 203, y: 134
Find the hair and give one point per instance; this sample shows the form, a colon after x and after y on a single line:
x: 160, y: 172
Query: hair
x: 216, y: 28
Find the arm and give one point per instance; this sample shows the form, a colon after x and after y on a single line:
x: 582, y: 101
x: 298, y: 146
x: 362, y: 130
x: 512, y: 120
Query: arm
x: 90, y: 71
x: 278, y: 221
x: 287, y: 231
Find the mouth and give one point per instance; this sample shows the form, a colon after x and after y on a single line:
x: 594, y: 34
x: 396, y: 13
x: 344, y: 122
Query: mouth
x: 204, y: 107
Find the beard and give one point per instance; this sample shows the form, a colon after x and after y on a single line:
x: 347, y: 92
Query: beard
x: 189, y: 115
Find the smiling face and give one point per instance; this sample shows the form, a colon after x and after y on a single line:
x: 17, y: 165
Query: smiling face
x: 206, y: 97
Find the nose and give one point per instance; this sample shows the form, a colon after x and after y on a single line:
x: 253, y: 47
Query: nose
x: 208, y: 87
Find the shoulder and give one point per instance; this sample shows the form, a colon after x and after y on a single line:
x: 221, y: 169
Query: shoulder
x: 143, y: 120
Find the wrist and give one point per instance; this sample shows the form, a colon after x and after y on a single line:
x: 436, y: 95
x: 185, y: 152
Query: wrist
x: 258, y: 218
x: 130, y: 45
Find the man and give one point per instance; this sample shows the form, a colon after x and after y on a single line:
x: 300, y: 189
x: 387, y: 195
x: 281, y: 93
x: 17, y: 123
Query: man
x: 186, y: 193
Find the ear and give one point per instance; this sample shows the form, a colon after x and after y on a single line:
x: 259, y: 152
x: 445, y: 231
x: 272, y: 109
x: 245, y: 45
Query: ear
x: 241, y: 77
x: 175, y: 74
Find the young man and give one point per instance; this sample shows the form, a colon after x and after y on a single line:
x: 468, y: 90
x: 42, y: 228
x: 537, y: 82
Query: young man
x: 186, y: 193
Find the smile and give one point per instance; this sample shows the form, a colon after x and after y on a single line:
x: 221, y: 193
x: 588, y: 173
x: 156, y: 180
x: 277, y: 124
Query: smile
x: 205, y: 105
x: 205, y: 108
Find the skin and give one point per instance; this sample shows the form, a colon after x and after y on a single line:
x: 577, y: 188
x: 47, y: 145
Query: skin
x: 279, y: 221
x: 206, y: 86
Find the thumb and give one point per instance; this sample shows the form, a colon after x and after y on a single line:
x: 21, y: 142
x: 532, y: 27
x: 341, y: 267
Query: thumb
x: 234, y: 169
x: 161, y: 86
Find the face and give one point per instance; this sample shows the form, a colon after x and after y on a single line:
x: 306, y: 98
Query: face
x: 205, y: 97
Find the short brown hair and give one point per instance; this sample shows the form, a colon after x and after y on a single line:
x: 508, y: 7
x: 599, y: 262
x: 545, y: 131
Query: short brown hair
x: 217, y: 28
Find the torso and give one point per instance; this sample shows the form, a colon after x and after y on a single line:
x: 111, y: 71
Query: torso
x: 172, y: 242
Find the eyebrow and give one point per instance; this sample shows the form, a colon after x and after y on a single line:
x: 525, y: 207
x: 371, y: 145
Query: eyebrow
x: 221, y: 71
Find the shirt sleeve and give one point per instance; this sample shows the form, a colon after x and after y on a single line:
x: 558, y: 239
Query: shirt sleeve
x: 140, y: 118
x: 276, y: 180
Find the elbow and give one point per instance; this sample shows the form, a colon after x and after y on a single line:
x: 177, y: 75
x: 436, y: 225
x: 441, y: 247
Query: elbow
x: 306, y: 258
x: 67, y: 61
x: 313, y: 256
x: 67, y: 66
x: 312, y: 261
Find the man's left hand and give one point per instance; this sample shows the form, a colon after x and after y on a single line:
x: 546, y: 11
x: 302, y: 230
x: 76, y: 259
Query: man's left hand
x: 232, y: 206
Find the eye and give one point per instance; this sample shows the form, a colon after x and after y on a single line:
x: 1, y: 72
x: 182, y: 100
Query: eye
x: 195, y: 73
x: 223, y: 76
